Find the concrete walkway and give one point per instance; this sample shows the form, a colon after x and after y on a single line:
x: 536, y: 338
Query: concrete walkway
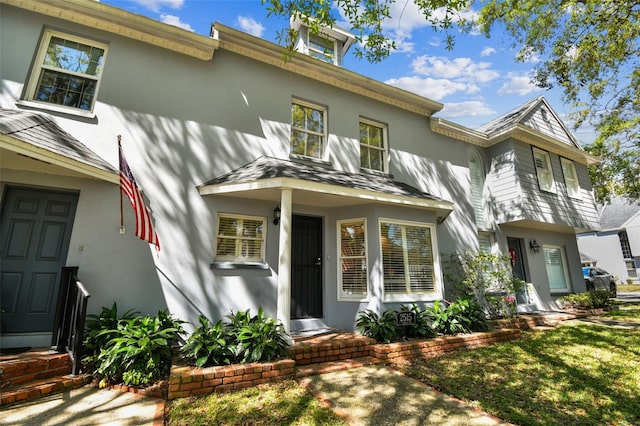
x: 377, y: 395
x: 87, y: 406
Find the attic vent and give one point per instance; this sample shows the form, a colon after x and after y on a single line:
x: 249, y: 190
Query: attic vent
x: 543, y: 112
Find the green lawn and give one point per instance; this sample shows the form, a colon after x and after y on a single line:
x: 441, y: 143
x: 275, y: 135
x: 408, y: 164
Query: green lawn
x: 574, y: 374
x: 628, y: 288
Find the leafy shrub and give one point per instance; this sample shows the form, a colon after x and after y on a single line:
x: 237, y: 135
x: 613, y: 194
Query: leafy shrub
x: 256, y: 338
x: 207, y: 345
x: 134, y: 350
x: 244, y: 338
x: 97, y: 333
x: 451, y: 318
x: 588, y: 300
x: 474, y: 312
x: 422, y: 328
x: 382, y: 328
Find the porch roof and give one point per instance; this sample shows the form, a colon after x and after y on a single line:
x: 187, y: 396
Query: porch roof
x: 319, y: 185
x: 33, y: 135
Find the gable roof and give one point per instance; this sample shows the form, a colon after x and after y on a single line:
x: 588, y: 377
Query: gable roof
x: 36, y: 135
x: 533, y: 122
x: 617, y: 213
x: 337, y: 187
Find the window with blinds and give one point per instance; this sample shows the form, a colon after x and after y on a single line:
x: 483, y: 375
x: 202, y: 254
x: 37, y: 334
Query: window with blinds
x: 352, y: 251
x: 241, y: 239
x: 556, y: 265
x: 307, y: 130
x: 570, y: 178
x: 544, y: 172
x: 476, y: 175
x: 407, y: 258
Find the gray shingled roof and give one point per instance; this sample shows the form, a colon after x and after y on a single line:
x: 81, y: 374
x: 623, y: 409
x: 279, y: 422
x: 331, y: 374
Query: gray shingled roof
x: 40, y: 130
x: 615, y: 214
x: 268, y: 167
x: 507, y: 120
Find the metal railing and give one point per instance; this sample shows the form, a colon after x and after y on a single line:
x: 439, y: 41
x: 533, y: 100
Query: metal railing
x: 71, y: 311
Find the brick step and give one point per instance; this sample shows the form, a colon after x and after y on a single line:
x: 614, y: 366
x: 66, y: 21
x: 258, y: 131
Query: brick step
x: 330, y: 347
x: 39, y: 388
x: 331, y: 366
x: 33, y: 365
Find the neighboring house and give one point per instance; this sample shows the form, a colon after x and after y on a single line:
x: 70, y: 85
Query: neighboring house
x: 616, y: 247
x: 369, y: 189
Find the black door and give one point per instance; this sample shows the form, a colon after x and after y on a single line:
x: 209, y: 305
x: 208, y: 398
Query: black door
x: 517, y: 264
x: 306, y: 267
x: 35, y: 229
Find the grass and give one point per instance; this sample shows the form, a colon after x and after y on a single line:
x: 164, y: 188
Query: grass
x: 627, y: 312
x: 580, y: 374
x: 282, y: 403
x: 629, y: 287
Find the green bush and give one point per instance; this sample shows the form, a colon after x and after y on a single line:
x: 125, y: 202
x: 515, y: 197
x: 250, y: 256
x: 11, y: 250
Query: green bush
x: 472, y: 310
x: 422, y: 328
x: 96, y: 335
x: 133, y: 350
x: 382, y: 328
x: 244, y: 338
x: 588, y: 300
x: 451, y: 318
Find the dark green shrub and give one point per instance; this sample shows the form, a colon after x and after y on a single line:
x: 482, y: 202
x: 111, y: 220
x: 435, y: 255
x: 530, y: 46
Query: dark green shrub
x: 138, y: 350
x: 382, y: 328
x: 588, y: 300
x: 207, y: 345
x: 256, y: 338
x: 451, y: 318
x: 474, y: 312
x: 96, y: 336
x: 422, y: 328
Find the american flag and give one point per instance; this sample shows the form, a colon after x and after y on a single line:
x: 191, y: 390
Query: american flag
x: 144, y: 225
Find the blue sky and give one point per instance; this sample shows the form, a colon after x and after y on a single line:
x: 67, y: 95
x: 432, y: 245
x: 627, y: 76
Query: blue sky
x: 476, y: 82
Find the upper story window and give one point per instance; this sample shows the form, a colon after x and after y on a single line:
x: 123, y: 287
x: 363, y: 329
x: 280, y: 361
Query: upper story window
x: 322, y: 48
x: 67, y: 71
x: 373, y: 146
x: 353, y: 272
x: 570, y: 178
x: 476, y: 176
x: 409, y: 260
x: 308, y: 129
x: 240, y: 239
x: 542, y: 163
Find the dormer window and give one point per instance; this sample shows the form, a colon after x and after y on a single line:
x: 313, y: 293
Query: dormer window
x: 330, y: 44
x: 322, y: 48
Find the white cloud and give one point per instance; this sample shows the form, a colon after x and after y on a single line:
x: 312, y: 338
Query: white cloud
x: 518, y: 85
x: 251, y: 26
x: 175, y: 21
x: 487, y: 51
x: 156, y: 5
x: 459, y: 68
x: 435, y: 89
x: 466, y: 109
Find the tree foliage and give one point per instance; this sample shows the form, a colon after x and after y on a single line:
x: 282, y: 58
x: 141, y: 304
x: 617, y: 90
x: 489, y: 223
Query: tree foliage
x: 590, y: 49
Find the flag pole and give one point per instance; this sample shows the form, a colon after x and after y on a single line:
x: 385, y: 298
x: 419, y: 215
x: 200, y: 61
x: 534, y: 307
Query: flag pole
x: 120, y: 188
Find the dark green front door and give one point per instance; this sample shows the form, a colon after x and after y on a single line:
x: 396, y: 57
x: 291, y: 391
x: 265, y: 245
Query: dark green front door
x: 306, y: 267
x: 35, y: 232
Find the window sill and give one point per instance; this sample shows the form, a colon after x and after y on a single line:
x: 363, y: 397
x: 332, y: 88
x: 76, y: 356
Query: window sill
x: 51, y: 108
x: 413, y: 297
x: 232, y: 265
x: 309, y: 160
x: 376, y: 173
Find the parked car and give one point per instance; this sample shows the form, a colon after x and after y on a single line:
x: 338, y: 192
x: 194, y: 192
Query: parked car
x: 599, y: 279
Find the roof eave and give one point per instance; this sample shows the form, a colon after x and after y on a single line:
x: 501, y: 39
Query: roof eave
x: 24, y: 148
x: 117, y: 21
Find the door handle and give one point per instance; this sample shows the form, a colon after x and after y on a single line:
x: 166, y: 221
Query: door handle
x: 318, y: 261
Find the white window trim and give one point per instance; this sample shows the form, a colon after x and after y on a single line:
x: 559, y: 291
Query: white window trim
x: 437, y: 271
x: 324, y: 134
x: 479, y: 205
x: 385, y: 143
x: 312, y: 50
x: 342, y: 296
x: 38, y: 63
x: 547, y: 158
x: 565, y: 267
x: 572, y: 185
x: 239, y: 260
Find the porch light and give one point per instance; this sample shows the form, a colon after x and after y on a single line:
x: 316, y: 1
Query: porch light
x: 534, y: 246
x: 276, y: 215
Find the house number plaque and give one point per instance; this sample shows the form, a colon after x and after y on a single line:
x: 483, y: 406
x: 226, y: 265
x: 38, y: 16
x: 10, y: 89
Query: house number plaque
x: 405, y: 318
